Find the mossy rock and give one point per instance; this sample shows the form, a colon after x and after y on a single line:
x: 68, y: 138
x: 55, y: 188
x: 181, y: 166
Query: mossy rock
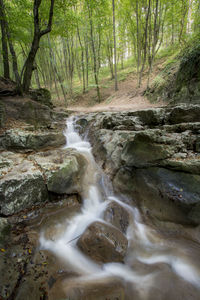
x: 179, y: 81
x: 43, y: 96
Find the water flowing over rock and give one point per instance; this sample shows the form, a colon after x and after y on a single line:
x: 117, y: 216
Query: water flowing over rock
x: 103, y: 243
x: 152, y: 156
x: 102, y: 247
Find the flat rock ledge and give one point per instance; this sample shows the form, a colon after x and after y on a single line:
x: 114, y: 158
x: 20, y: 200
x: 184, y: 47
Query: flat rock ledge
x: 27, y: 180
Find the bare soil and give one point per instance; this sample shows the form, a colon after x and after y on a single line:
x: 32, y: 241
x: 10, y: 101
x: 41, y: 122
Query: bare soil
x: 128, y: 96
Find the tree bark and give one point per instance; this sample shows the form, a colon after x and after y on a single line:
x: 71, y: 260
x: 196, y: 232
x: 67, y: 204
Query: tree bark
x: 38, y: 33
x: 82, y: 58
x: 6, y: 68
x: 94, y: 54
x: 115, y: 50
x: 53, y: 59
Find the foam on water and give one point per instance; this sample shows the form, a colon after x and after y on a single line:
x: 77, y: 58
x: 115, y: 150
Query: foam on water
x: 96, y: 198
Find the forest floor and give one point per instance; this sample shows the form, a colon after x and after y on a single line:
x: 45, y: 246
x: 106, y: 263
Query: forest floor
x: 128, y: 96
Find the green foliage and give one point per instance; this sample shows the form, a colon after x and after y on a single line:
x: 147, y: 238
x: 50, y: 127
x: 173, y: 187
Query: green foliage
x: 68, y: 67
x: 189, y: 62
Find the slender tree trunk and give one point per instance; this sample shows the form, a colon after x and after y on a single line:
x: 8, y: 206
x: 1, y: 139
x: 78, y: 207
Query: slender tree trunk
x: 138, y: 43
x: 4, y: 41
x: 87, y: 60
x: 94, y: 54
x: 14, y: 61
x: 109, y: 49
x: 37, y: 79
x: 172, y: 22
x: 145, y: 42
x: 82, y: 58
x: 52, y: 57
x: 115, y: 49
x: 12, y: 51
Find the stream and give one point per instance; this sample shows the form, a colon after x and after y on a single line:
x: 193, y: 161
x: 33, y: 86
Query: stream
x: 155, y: 267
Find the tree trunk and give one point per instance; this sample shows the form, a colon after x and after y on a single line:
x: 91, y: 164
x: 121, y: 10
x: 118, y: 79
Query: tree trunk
x: 53, y: 59
x: 12, y: 51
x: 87, y: 60
x: 38, y: 33
x: 82, y: 58
x: 37, y: 79
x: 29, y: 64
x: 145, y: 42
x: 4, y: 41
x: 115, y: 50
x: 94, y: 54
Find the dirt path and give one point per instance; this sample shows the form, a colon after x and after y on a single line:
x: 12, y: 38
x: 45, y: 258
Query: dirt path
x: 128, y: 97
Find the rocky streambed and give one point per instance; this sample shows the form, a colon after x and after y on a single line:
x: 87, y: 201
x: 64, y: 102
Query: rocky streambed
x: 63, y: 232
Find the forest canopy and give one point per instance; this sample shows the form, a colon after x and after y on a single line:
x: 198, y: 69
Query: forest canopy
x: 56, y: 43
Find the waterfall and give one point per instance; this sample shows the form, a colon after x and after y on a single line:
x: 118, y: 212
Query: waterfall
x: 145, y: 246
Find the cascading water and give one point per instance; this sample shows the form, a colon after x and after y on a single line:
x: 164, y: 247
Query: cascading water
x: 145, y: 248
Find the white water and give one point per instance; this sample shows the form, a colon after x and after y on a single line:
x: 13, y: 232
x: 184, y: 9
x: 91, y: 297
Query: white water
x: 145, y: 246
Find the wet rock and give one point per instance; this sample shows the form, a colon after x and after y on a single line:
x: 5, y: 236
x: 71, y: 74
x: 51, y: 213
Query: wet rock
x: 102, y: 291
x: 168, y: 141
x: 26, y: 140
x: 63, y: 170
x: 103, y: 243
x: 167, y: 195
x: 117, y: 215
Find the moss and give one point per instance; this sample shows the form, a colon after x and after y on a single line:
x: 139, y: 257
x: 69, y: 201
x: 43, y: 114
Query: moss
x: 189, y: 66
x: 179, y: 81
x: 43, y: 96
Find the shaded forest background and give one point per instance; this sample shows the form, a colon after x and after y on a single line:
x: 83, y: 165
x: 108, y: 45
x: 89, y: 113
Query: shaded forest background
x: 78, y: 40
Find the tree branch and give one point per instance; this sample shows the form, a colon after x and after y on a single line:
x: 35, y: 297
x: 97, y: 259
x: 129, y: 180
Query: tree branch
x: 48, y: 29
x: 36, y: 15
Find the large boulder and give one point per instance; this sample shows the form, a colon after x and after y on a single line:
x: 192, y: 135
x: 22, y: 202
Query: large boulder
x: 63, y: 170
x: 103, y: 243
x: 144, y: 150
x: 28, y: 110
x: 21, y: 185
x: 28, y: 180
x: 184, y: 114
x: 165, y: 194
x: 29, y: 140
x: 42, y: 96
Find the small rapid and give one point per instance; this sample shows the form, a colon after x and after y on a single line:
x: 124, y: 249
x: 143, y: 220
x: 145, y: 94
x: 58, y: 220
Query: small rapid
x: 146, y: 247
